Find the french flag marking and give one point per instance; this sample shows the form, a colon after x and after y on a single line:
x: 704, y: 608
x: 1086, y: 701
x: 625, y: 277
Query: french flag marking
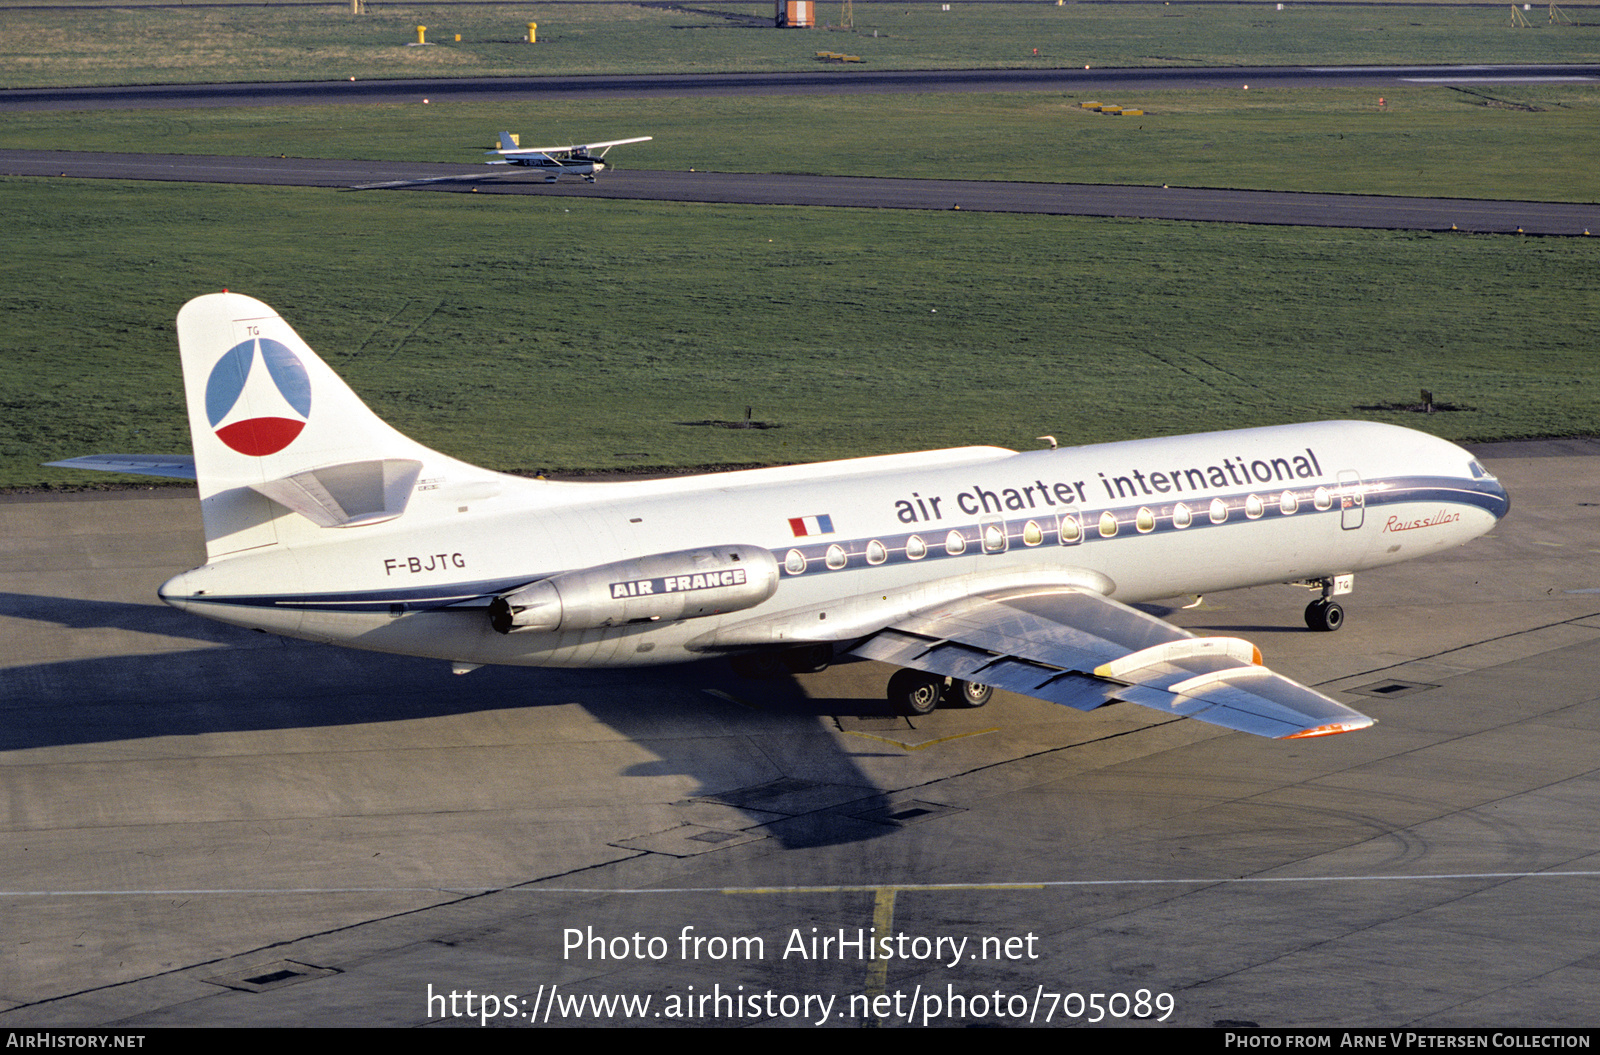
x: 803, y: 527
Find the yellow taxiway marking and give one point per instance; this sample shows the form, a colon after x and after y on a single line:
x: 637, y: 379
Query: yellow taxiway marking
x: 883, y: 921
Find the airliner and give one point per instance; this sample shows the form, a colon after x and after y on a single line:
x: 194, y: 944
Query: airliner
x: 968, y: 569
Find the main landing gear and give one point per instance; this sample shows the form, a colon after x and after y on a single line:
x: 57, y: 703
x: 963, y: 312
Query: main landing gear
x: 916, y: 692
x: 1325, y: 613
x: 911, y: 692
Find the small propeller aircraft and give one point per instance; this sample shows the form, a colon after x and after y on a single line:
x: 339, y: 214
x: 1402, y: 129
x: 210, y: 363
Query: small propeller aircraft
x: 577, y: 159
x: 968, y: 568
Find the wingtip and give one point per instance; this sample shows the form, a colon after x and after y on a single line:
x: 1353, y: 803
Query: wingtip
x: 1333, y: 729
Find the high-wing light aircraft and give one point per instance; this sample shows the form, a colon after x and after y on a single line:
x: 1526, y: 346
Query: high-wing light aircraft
x: 577, y: 159
x: 968, y: 568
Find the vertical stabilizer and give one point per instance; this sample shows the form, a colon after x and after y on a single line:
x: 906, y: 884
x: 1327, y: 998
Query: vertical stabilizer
x: 283, y: 448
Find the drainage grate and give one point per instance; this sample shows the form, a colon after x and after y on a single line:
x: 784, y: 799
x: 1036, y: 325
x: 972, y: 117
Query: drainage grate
x: 908, y: 812
x: 1391, y: 689
x: 264, y: 976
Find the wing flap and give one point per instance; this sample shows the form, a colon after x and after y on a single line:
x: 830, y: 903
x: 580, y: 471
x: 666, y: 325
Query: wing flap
x: 1082, y: 649
x: 956, y: 660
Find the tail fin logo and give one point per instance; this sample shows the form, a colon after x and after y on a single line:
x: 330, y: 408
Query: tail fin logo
x: 279, y: 401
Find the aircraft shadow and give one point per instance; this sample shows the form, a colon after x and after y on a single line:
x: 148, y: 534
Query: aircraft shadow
x: 77, y: 614
x: 260, y: 682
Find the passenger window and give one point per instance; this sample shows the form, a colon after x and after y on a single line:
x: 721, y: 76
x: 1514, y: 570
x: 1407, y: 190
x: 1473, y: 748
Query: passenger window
x: 1146, y: 520
x: 1071, y: 532
x: 836, y: 557
x: 1288, y: 503
x: 994, y: 535
x: 1219, y: 511
x: 876, y: 553
x: 1181, y: 517
x: 1108, y: 524
x: 955, y: 543
x: 794, y: 562
x: 916, y: 549
x: 1032, y: 533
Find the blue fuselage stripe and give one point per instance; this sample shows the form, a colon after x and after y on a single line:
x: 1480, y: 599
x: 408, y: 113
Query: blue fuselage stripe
x: 1037, y: 530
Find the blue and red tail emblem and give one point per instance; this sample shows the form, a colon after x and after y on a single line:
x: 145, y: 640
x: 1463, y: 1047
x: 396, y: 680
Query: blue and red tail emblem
x: 258, y: 434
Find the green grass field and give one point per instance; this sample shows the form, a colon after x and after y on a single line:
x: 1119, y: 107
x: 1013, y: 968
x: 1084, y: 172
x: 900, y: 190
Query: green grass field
x: 144, y: 45
x: 527, y: 333
x: 1538, y: 142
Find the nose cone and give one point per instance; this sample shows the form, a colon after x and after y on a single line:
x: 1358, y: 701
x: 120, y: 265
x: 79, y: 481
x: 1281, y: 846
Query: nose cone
x: 180, y: 590
x: 1490, y: 494
x: 1500, y: 502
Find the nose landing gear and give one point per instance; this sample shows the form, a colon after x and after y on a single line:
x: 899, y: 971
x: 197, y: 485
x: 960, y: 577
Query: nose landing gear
x: 1325, y: 613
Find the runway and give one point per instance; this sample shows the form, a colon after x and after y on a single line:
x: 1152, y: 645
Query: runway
x: 817, y: 82
x: 1177, y: 203
x: 214, y: 827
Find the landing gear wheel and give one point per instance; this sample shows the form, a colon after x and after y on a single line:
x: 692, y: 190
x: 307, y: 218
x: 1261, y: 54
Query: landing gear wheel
x: 915, y: 692
x: 969, y: 693
x: 1324, y: 614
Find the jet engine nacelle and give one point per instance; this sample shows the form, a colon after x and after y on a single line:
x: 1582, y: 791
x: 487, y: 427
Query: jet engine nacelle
x: 662, y: 587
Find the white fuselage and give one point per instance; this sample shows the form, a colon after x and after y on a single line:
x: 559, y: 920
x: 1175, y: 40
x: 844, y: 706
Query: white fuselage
x: 856, y: 542
x: 554, y: 167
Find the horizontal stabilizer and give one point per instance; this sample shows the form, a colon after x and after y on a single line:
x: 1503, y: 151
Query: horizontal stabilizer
x: 347, y: 495
x: 176, y: 466
x: 1081, y: 649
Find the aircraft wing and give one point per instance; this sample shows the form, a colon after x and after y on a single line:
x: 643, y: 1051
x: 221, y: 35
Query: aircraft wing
x: 1079, y: 648
x: 177, y: 466
x: 509, y: 150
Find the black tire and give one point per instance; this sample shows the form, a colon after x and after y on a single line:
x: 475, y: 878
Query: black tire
x: 1324, y: 615
x: 915, y: 692
x: 969, y: 693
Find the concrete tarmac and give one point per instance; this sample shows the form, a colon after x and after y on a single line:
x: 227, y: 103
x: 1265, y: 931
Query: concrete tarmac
x: 206, y: 826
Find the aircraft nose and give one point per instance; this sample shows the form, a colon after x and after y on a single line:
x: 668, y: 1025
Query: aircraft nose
x: 1500, y: 501
x: 179, y: 590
